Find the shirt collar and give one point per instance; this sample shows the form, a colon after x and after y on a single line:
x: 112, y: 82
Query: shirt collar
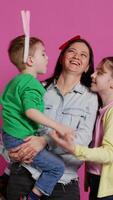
x: 79, y: 88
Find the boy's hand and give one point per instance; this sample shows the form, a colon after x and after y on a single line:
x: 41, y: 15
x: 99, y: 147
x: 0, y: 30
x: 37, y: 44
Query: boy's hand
x: 66, y: 142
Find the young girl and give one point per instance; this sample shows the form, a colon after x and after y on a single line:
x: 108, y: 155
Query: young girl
x: 100, y: 154
x: 23, y: 105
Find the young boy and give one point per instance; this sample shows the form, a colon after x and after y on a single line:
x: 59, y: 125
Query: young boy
x: 23, y: 105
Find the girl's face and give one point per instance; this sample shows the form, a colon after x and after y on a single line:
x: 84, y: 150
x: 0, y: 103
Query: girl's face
x: 102, y: 79
x: 76, y: 58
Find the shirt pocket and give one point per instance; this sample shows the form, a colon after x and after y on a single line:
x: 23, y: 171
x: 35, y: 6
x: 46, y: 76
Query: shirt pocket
x: 74, y: 117
x: 50, y: 111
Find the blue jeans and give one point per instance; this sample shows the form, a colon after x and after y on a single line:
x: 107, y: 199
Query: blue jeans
x: 52, y: 167
x: 93, y: 181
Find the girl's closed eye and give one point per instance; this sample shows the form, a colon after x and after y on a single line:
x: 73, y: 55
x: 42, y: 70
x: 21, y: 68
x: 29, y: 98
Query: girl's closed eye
x: 100, y: 72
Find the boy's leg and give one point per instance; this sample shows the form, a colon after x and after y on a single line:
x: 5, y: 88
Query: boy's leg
x: 10, y: 141
x: 52, y: 169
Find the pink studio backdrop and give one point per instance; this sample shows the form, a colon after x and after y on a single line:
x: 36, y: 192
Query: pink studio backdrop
x: 55, y: 21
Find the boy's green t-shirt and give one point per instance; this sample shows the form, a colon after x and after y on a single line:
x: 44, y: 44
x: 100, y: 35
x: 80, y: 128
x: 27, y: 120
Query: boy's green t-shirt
x: 22, y: 93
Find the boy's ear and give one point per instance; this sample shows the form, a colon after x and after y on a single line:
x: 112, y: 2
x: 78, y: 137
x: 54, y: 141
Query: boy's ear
x: 30, y: 61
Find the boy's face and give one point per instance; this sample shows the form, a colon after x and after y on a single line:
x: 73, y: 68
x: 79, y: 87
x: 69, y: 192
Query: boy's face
x: 40, y: 59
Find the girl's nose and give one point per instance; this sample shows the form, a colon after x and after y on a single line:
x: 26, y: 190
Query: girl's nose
x: 93, y: 75
x: 46, y: 57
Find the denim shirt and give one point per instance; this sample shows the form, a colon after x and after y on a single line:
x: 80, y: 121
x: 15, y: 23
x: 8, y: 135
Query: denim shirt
x: 77, y: 109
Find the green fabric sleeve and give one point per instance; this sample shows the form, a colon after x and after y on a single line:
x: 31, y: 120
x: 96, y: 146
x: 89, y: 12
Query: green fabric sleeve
x: 31, y: 99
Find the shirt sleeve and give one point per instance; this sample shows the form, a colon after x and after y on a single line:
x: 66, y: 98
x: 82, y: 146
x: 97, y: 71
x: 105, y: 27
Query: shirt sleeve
x: 31, y: 98
x: 104, y: 153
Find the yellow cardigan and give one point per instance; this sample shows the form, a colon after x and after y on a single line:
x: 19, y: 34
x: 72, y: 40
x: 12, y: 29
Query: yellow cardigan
x: 102, y: 155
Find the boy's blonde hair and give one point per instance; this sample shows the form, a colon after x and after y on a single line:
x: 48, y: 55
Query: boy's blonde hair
x: 16, y: 50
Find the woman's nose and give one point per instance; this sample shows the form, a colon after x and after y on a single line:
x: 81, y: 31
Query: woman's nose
x: 76, y: 55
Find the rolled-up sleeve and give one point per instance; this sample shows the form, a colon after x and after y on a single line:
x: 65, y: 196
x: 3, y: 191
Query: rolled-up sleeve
x: 31, y: 98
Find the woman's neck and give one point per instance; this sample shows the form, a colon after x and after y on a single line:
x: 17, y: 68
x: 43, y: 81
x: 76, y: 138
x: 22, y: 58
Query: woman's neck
x: 66, y: 82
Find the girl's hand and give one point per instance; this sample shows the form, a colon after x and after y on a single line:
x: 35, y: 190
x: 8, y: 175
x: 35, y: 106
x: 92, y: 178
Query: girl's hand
x: 28, y: 150
x: 67, y: 142
x: 63, y: 130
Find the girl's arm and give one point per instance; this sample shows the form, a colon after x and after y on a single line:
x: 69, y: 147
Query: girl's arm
x: 102, y: 154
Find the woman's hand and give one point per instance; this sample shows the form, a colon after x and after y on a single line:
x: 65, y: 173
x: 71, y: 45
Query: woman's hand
x: 28, y: 150
x: 67, y: 142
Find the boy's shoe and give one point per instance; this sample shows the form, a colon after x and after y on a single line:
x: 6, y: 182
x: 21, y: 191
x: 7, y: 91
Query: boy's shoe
x: 32, y: 196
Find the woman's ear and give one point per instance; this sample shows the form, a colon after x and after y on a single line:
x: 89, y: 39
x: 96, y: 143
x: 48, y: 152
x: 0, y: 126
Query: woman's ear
x: 86, y: 69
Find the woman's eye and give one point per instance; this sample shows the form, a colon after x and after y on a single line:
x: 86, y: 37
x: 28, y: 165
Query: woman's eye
x: 84, y: 55
x: 70, y: 51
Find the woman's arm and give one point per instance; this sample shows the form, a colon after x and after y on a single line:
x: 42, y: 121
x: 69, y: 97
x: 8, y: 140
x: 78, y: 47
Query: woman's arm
x: 25, y: 152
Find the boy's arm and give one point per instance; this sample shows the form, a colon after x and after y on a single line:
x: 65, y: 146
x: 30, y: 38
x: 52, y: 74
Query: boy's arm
x: 40, y: 118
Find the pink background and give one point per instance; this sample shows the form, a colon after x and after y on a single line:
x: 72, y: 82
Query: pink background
x: 55, y: 21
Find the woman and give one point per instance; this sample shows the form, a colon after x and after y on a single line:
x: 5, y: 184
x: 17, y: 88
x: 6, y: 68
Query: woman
x: 100, y: 153
x: 68, y: 100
